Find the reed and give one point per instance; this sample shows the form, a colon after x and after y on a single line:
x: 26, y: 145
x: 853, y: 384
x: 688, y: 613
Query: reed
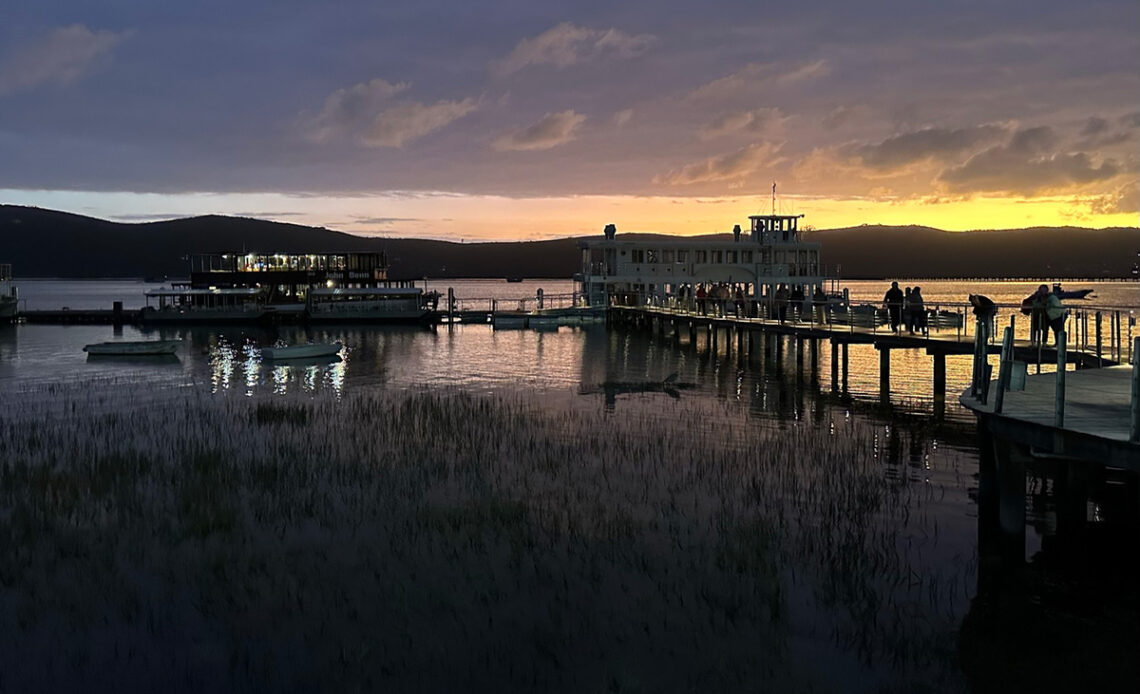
x: 429, y: 540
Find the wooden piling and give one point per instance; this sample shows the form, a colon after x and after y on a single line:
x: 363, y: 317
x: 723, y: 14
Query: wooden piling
x: 1059, y: 393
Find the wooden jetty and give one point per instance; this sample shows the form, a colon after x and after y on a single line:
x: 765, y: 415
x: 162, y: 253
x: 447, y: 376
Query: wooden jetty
x: 682, y: 321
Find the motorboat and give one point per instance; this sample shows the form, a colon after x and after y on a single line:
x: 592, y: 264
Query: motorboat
x: 133, y: 349
x: 312, y: 351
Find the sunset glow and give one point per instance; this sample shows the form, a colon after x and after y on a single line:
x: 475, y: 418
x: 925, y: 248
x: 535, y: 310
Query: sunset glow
x: 530, y: 123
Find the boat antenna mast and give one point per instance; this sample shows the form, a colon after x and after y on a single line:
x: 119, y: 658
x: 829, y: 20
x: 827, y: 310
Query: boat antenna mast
x: 773, y: 198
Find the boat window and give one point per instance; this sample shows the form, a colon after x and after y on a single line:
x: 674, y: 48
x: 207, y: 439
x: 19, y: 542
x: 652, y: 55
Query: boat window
x: 702, y: 256
x: 666, y: 256
x: 651, y: 256
x: 746, y: 256
x: 732, y: 256
x: 682, y: 256
x: 637, y: 256
x: 717, y: 256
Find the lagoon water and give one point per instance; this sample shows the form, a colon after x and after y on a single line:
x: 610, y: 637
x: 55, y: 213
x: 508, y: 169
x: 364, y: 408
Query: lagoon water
x: 850, y: 521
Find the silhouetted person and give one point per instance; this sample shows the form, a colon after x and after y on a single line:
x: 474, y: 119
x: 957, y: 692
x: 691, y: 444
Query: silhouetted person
x: 1055, y: 312
x: 916, y: 312
x: 1034, y: 307
x: 894, y: 302
x: 782, y: 303
x: 701, y: 294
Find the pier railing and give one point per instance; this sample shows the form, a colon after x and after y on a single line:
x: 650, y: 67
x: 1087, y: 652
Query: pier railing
x: 1104, y: 331
x: 530, y: 304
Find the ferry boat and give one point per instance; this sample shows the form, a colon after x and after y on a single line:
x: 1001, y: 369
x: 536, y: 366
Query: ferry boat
x: 9, y: 297
x: 288, y: 287
x: 368, y: 304
x: 740, y: 273
x: 182, y: 304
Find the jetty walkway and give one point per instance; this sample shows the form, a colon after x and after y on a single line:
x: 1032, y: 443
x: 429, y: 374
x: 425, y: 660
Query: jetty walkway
x: 1103, y: 335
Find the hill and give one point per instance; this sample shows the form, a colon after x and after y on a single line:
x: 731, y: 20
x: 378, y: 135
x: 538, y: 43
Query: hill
x: 47, y: 243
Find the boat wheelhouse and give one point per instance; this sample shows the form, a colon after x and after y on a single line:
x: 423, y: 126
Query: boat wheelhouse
x: 9, y: 298
x: 638, y: 270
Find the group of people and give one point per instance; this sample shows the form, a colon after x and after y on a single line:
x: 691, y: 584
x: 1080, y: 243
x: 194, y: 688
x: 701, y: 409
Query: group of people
x: 717, y: 296
x: 905, y: 309
x: 1045, y: 312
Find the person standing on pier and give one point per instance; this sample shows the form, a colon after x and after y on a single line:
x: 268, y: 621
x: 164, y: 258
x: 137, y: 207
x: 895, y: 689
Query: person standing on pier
x: 782, y: 303
x: 701, y: 294
x: 916, y: 312
x: 1055, y: 312
x: 894, y: 302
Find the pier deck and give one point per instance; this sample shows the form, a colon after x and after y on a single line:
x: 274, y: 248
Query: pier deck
x: 1097, y: 419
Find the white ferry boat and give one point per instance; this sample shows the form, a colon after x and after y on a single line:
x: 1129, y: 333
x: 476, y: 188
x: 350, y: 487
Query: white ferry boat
x: 288, y: 287
x: 180, y: 304
x: 9, y: 298
x: 738, y: 272
x: 363, y: 304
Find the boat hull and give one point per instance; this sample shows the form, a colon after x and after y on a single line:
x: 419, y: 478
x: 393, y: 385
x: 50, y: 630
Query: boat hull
x: 133, y: 349
x: 150, y: 315
x: 301, y: 352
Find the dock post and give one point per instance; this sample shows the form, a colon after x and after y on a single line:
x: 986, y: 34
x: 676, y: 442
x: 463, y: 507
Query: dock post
x: 1059, y: 392
x: 1134, y: 430
x: 1099, y: 355
x: 845, y: 370
x: 1011, y: 501
x: 885, y: 373
x: 1004, y: 367
x: 834, y: 366
x: 451, y: 305
x: 939, y: 375
x: 1072, y: 500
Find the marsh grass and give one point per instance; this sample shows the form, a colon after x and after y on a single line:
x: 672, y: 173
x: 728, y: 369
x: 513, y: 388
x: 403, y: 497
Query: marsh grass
x: 439, y: 540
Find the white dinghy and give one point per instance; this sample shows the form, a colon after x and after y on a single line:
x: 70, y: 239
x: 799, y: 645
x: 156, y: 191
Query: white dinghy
x: 301, y: 351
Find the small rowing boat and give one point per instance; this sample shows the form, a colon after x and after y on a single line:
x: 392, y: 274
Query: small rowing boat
x: 301, y: 351
x: 133, y: 349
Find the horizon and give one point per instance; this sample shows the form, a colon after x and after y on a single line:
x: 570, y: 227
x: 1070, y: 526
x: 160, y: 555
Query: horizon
x: 533, y: 123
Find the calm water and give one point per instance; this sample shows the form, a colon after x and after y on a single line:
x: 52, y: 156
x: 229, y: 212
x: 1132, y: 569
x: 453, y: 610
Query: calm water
x: 582, y: 372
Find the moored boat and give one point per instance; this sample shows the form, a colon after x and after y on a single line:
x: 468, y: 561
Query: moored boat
x: 133, y: 349
x: 313, y: 351
x: 370, y: 304
x: 182, y: 304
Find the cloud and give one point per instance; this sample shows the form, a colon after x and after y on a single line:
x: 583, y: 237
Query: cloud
x: 411, y: 120
x: 753, y: 121
x: 622, y: 117
x: 840, y: 115
x: 567, y: 44
x: 754, y: 76
x: 1124, y: 200
x: 1027, y: 166
x: 61, y: 57
x: 733, y: 166
x: 1095, y: 125
x: 552, y: 130
x: 350, y: 108
x: 899, y: 151
x: 1130, y: 120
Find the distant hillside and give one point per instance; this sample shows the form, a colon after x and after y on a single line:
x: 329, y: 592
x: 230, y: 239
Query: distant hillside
x: 913, y: 251
x: 46, y: 243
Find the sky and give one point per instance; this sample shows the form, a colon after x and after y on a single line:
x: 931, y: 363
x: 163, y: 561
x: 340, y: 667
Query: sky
x: 460, y: 119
